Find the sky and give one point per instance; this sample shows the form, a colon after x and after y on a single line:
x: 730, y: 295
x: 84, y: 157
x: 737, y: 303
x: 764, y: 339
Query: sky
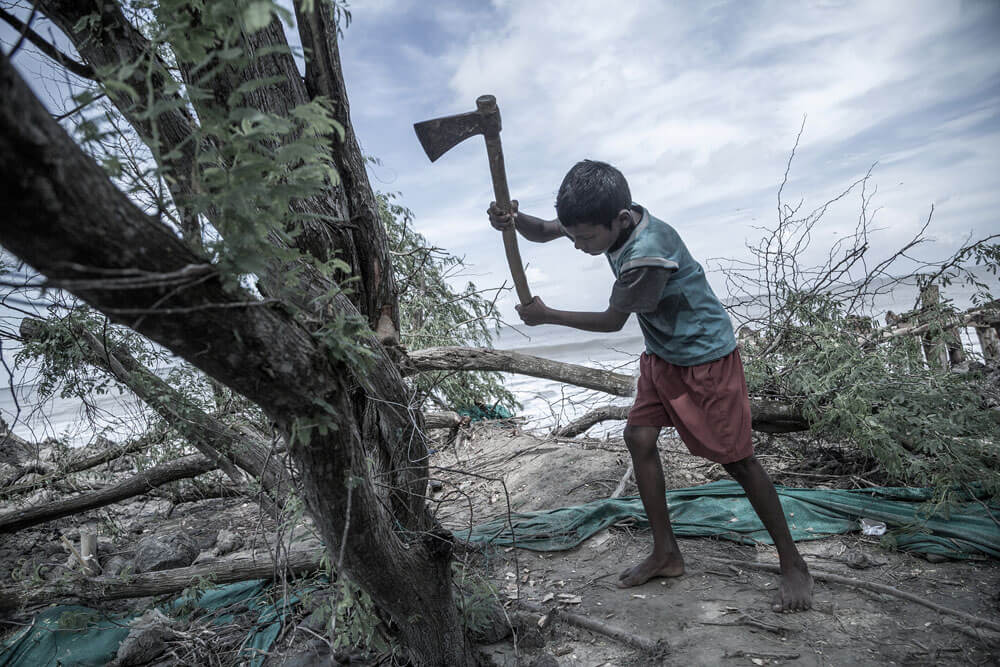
x: 699, y: 104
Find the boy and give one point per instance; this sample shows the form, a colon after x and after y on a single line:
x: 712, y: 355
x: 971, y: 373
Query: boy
x: 690, y: 376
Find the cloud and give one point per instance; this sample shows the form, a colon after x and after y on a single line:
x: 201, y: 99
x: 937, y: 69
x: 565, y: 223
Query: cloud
x: 699, y: 104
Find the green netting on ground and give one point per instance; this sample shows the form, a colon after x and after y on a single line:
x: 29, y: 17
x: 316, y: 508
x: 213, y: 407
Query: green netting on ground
x: 721, y: 509
x: 54, y: 637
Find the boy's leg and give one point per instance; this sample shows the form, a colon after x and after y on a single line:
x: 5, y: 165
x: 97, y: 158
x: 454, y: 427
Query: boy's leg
x: 795, y: 592
x: 666, y: 560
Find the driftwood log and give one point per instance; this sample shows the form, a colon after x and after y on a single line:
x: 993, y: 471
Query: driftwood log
x: 162, y: 582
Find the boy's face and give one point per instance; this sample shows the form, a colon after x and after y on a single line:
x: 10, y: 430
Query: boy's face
x: 597, y: 238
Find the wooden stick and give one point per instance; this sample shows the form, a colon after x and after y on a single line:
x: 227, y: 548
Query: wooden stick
x: 620, y: 489
x: 976, y: 621
x: 636, y: 641
x: 74, y: 552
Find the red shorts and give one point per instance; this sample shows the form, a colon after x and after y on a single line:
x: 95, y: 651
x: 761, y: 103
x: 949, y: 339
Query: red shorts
x: 707, y: 404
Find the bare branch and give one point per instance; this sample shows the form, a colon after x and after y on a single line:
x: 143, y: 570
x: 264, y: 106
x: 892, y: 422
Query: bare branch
x: 80, y: 69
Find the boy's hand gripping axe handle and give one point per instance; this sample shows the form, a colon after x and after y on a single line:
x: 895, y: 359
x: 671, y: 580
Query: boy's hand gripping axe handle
x: 439, y: 135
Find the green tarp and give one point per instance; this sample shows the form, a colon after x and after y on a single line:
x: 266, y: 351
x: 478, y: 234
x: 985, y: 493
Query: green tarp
x: 720, y: 509
x: 54, y: 637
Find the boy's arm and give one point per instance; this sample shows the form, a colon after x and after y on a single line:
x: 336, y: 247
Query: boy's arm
x: 636, y: 291
x: 530, y: 227
x: 537, y: 312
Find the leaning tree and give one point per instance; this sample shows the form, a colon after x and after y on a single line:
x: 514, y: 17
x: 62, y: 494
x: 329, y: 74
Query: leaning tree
x: 263, y: 263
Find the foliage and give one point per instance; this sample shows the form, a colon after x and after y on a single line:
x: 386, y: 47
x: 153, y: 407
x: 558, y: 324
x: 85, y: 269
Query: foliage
x: 812, y: 338
x: 77, y: 620
x: 925, y: 426
x: 63, y: 369
x: 354, y: 623
x: 477, y: 599
x: 433, y: 313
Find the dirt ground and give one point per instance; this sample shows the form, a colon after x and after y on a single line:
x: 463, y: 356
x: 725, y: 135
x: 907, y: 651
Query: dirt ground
x: 717, y: 613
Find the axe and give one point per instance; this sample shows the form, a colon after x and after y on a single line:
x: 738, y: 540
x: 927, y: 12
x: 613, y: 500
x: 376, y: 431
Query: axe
x: 439, y: 135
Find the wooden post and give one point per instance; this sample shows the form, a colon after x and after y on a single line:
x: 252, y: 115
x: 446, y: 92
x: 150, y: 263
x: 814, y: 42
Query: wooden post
x: 88, y: 550
x: 934, y: 348
x: 989, y: 343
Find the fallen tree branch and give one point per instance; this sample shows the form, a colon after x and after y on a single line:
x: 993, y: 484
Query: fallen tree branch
x: 623, y: 484
x: 216, y: 440
x: 985, y: 316
x: 975, y: 621
x: 162, y: 582
x: 769, y: 416
x: 595, y: 416
x: 182, y: 468
x: 636, y: 641
x: 483, y: 359
x: 81, y: 464
x: 748, y: 620
x: 448, y: 419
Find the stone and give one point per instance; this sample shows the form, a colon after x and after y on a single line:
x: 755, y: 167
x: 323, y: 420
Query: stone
x: 545, y: 660
x: 146, y: 641
x: 116, y: 565
x: 165, y: 552
x: 227, y: 541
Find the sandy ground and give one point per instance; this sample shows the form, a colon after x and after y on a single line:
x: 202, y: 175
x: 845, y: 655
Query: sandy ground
x: 716, y: 613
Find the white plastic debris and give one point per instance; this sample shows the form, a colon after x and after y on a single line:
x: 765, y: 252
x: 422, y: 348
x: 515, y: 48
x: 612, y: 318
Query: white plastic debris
x: 872, y: 527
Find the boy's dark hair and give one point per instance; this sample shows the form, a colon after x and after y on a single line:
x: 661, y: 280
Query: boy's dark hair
x: 592, y: 192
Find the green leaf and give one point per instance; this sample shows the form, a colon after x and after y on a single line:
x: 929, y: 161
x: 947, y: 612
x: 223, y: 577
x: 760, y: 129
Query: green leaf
x: 257, y: 16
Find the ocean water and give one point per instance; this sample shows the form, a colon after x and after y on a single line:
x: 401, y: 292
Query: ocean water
x: 545, y: 403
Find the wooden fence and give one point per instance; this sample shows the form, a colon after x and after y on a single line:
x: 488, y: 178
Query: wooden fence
x: 941, y: 335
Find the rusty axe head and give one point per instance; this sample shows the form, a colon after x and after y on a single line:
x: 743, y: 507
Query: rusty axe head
x: 439, y: 135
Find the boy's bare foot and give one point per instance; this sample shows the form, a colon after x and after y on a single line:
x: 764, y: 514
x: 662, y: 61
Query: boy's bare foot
x: 671, y: 565
x: 795, y: 591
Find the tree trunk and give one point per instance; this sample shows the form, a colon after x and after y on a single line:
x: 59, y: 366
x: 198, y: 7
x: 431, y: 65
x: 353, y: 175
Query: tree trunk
x: 182, y: 468
x: 69, y: 222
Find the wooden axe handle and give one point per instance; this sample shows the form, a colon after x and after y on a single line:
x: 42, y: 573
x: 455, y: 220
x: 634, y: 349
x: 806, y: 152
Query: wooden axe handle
x: 499, y: 174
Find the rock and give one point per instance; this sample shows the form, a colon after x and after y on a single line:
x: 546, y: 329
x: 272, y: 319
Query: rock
x: 314, y: 653
x: 319, y: 618
x: 545, y: 660
x: 146, y: 641
x: 165, y: 552
x: 226, y: 542
x: 116, y: 565
x: 53, y: 549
